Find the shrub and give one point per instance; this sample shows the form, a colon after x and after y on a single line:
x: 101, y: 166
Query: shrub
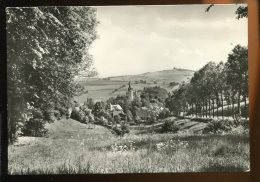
x: 152, y: 119
x: 91, y: 118
x: 129, y: 116
x: 125, y: 128
x: 77, y: 115
x: 121, y: 131
x: 165, y: 113
x: 63, y: 111
x: 117, y: 130
x: 117, y: 119
x: 105, y: 114
x: 35, y: 125
x: 169, y: 127
x: 57, y: 114
x: 49, y: 115
x: 219, y: 126
x: 103, y: 120
x: 85, y: 119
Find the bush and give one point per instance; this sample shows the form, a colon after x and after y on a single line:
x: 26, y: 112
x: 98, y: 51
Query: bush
x: 35, y: 125
x: 91, y: 118
x: 105, y: 114
x: 219, y: 126
x: 152, y: 119
x: 169, y: 127
x: 125, y: 128
x: 129, y: 116
x: 165, y: 113
x: 121, y: 131
x: 63, y: 111
x: 57, y: 114
x: 78, y: 116
x: 49, y: 115
x: 103, y: 120
x: 117, y: 119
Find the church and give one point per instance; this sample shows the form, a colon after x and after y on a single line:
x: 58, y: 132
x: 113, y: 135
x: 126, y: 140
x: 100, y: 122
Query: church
x: 131, y: 94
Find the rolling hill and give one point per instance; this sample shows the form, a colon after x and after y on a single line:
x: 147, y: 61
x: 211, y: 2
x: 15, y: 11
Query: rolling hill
x: 104, y: 88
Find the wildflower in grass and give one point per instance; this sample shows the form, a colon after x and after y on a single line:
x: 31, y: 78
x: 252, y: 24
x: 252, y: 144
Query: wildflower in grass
x: 171, y: 145
x: 122, y: 147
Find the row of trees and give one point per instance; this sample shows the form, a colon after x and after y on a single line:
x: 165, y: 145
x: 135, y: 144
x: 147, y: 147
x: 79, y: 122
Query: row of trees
x: 46, y: 48
x: 216, y: 89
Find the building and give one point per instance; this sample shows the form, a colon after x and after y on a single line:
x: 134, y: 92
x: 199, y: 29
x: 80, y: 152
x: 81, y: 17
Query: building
x: 116, y: 110
x: 130, y: 92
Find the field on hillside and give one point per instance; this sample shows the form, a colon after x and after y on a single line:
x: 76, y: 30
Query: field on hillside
x: 73, y: 147
x: 104, y: 88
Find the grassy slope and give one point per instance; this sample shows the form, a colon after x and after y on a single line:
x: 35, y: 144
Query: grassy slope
x: 74, y: 148
x: 186, y: 125
x: 101, y: 89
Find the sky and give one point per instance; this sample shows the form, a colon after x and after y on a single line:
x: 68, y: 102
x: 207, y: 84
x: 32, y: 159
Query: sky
x: 139, y: 39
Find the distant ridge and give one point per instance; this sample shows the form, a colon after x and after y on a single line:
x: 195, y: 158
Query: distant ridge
x: 152, y: 72
x: 104, y: 88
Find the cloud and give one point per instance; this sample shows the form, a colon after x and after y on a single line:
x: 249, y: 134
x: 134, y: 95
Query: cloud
x: 137, y: 39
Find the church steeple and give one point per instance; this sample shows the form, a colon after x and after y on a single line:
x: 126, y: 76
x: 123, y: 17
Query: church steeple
x: 129, y: 86
x: 130, y: 92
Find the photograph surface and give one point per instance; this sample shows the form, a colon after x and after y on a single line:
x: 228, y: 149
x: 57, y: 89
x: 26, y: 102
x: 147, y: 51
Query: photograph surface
x: 127, y: 89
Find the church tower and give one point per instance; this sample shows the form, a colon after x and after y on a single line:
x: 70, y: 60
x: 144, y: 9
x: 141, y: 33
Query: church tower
x: 130, y: 92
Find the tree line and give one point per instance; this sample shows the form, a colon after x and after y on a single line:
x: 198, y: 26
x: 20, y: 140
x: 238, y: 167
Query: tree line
x: 216, y: 89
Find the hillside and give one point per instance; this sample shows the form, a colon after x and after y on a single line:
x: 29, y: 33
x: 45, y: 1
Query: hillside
x: 104, y: 88
x: 173, y: 75
x: 74, y: 148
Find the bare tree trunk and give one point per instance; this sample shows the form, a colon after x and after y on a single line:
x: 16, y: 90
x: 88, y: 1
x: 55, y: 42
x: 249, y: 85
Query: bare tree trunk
x: 246, y: 113
x: 202, y: 108
x: 238, y: 103
x: 191, y: 109
x: 222, y: 105
x: 206, y: 103
x: 196, y: 109
x: 213, y: 111
x: 209, y: 108
x: 228, y: 107
x: 217, y: 106
x: 233, y: 109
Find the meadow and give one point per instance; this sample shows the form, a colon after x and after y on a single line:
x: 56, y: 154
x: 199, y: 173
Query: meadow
x: 73, y: 147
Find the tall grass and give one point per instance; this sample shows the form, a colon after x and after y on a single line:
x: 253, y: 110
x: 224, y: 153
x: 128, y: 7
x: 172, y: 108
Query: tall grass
x: 131, y: 154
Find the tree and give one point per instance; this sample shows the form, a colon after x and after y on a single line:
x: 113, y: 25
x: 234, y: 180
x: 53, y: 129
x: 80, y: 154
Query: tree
x: 241, y: 11
x: 46, y: 48
x: 177, y: 100
x: 156, y: 93
x: 89, y: 103
x: 237, y: 73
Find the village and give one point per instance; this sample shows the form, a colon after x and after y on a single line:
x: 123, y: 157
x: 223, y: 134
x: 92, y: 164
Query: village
x: 124, y: 110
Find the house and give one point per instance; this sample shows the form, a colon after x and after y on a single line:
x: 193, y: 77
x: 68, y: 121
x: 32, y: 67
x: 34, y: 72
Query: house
x: 116, y: 110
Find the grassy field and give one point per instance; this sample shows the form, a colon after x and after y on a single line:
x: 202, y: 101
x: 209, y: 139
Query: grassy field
x: 104, y: 88
x: 73, y: 147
